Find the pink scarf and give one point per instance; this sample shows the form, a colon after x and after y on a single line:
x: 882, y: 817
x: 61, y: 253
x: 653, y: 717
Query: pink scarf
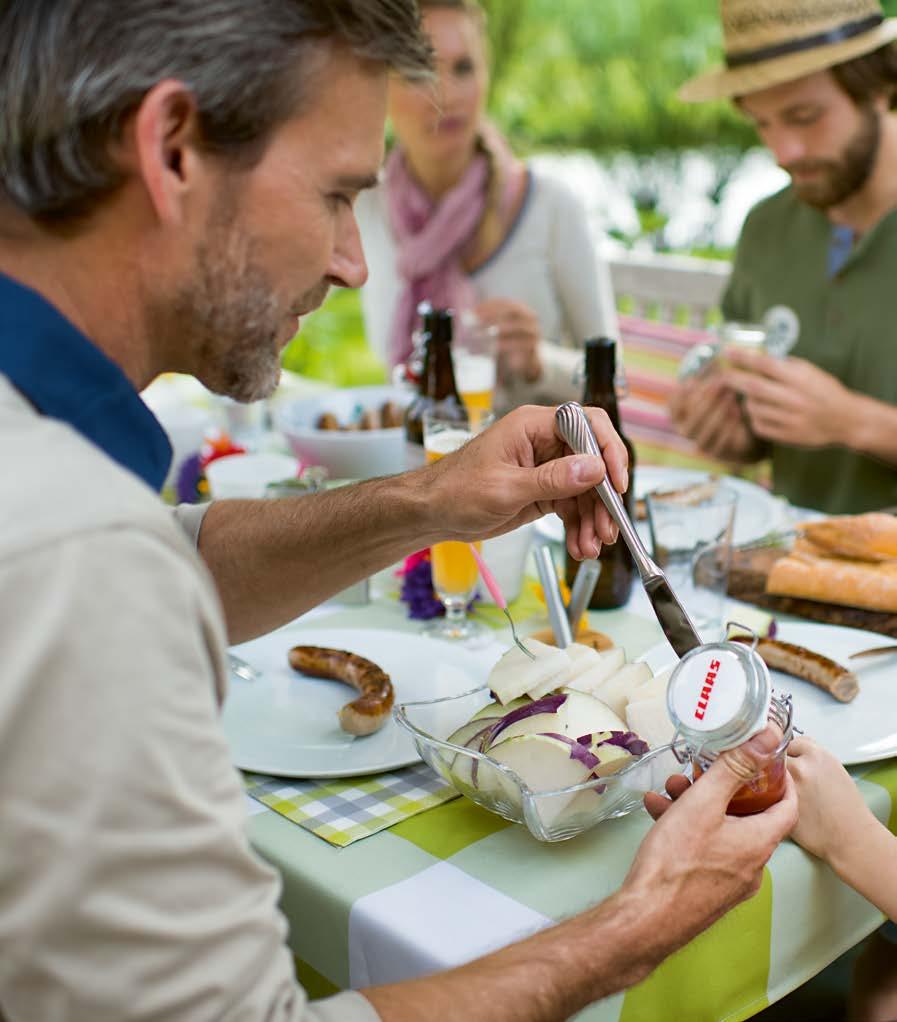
x: 430, y: 238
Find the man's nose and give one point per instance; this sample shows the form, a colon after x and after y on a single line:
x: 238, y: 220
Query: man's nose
x: 348, y: 267
x: 787, y: 147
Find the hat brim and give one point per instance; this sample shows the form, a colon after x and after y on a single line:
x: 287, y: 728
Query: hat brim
x: 724, y: 82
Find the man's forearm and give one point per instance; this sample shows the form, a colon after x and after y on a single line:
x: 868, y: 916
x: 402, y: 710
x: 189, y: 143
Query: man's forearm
x: 549, y: 977
x: 274, y: 559
x: 871, y: 427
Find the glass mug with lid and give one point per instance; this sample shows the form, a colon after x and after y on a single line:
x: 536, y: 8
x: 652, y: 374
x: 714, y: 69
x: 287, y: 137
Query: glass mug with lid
x: 776, y: 336
x: 719, y: 696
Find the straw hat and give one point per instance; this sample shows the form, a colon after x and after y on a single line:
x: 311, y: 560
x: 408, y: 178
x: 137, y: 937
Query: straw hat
x: 768, y: 42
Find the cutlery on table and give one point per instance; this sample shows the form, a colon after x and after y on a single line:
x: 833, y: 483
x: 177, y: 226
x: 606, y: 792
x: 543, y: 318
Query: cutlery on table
x: 675, y: 622
x: 497, y: 595
x: 873, y: 651
x: 583, y: 586
x: 554, y: 602
x: 242, y: 670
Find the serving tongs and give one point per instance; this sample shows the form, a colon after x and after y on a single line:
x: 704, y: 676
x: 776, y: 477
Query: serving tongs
x: 674, y: 621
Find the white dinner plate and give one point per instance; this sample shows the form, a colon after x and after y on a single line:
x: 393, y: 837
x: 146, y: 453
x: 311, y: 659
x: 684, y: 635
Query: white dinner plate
x: 756, y: 513
x: 861, y: 731
x: 285, y: 723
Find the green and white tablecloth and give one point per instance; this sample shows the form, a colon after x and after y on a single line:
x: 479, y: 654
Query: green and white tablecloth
x: 455, y: 882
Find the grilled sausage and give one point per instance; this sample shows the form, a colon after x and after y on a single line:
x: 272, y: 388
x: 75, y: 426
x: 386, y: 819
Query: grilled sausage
x: 804, y: 663
x: 370, y: 711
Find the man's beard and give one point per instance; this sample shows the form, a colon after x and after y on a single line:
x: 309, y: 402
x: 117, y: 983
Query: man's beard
x: 844, y: 177
x: 225, y: 323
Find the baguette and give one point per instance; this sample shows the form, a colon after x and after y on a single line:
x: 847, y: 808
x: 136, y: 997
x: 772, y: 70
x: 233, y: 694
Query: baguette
x: 848, y: 583
x: 868, y: 537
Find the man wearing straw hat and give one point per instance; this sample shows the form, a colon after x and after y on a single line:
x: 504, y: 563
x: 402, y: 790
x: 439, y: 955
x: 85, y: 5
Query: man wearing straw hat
x: 818, y: 261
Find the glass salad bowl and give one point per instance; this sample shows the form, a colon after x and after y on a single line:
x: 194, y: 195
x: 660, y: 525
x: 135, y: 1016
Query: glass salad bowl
x: 550, y: 815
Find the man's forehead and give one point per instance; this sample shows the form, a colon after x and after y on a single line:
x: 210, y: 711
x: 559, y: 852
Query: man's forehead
x: 809, y: 89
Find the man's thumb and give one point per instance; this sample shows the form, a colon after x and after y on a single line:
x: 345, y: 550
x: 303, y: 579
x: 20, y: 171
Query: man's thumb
x: 737, y: 766
x: 570, y: 476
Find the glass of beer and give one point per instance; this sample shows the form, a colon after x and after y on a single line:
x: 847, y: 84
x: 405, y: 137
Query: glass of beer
x: 455, y: 571
x: 474, y: 354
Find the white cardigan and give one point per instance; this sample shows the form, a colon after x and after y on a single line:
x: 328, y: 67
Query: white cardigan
x: 548, y: 261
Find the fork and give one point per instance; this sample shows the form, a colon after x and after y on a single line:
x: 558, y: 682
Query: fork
x: 497, y: 595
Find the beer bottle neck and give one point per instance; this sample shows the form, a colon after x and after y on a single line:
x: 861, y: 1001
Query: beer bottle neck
x: 440, y: 372
x: 599, y: 390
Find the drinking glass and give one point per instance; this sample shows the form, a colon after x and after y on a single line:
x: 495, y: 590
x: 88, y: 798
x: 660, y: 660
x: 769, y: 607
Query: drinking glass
x: 455, y: 571
x: 474, y: 354
x: 693, y: 545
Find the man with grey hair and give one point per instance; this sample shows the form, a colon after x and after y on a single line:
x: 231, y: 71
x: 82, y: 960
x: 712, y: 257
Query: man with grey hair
x: 178, y: 181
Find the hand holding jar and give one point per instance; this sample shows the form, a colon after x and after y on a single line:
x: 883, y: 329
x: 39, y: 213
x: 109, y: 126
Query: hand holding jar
x: 713, y: 860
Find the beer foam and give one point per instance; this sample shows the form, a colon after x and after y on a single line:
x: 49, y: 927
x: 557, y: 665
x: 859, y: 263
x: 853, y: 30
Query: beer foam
x: 475, y: 374
x: 447, y: 441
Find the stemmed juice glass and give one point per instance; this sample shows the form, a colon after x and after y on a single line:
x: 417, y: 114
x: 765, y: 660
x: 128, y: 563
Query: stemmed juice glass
x: 454, y: 568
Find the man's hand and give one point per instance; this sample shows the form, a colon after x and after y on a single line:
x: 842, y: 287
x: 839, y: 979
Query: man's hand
x: 706, y: 410
x: 521, y: 469
x: 789, y: 400
x: 518, y: 338
x: 697, y: 861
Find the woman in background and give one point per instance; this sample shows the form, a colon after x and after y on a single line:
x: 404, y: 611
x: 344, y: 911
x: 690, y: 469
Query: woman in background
x: 459, y: 221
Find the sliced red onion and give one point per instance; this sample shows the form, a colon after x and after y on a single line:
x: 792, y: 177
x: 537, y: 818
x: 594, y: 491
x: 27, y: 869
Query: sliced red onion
x: 550, y: 704
x: 627, y: 740
x: 578, y: 752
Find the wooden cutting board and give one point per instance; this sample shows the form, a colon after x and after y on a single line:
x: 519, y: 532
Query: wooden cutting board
x: 747, y: 582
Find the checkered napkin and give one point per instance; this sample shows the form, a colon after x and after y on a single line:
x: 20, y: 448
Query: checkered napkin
x: 346, y: 810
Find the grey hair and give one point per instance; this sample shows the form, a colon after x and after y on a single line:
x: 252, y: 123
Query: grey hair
x: 71, y: 71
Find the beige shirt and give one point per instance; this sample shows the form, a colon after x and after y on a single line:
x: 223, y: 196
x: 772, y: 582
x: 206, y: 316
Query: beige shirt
x: 128, y: 889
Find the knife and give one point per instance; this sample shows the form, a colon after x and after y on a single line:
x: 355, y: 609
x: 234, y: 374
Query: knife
x: 674, y: 621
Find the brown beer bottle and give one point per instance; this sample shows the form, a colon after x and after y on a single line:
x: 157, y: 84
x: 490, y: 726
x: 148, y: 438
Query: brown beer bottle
x: 437, y: 391
x: 617, y: 567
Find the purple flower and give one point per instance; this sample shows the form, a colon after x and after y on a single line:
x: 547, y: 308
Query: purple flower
x: 417, y: 589
x: 189, y: 475
x: 417, y: 592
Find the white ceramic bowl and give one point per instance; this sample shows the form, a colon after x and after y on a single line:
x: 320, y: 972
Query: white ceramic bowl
x: 360, y: 454
x: 247, y: 475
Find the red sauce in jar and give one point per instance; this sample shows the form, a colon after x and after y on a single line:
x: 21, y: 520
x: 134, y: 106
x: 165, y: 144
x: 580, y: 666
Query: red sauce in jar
x: 763, y: 791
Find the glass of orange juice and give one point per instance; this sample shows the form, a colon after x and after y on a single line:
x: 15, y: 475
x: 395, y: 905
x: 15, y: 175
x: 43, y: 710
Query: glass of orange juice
x: 454, y: 569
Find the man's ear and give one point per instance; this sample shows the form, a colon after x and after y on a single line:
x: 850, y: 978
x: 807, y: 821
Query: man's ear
x: 164, y: 148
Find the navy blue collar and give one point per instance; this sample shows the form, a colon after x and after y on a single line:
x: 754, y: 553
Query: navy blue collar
x: 67, y: 377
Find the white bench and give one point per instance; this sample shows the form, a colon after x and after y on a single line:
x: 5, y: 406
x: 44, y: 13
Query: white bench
x: 669, y: 289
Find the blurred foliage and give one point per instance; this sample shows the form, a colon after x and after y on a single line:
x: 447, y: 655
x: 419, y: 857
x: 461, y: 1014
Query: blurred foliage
x: 331, y: 345
x: 603, y: 75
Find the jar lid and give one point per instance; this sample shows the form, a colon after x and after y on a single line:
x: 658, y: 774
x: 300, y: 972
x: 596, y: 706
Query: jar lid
x: 718, y: 695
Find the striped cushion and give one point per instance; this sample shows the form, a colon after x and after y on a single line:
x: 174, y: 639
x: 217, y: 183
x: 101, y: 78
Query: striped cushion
x: 652, y: 352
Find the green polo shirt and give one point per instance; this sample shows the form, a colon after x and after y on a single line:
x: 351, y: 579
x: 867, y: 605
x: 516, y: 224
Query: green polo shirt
x: 848, y: 327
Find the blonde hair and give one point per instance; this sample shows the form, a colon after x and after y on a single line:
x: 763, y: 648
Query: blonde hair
x: 490, y: 231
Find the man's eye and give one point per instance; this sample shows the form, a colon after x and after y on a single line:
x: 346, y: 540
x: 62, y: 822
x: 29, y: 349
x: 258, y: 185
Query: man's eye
x: 805, y: 117
x: 463, y: 66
